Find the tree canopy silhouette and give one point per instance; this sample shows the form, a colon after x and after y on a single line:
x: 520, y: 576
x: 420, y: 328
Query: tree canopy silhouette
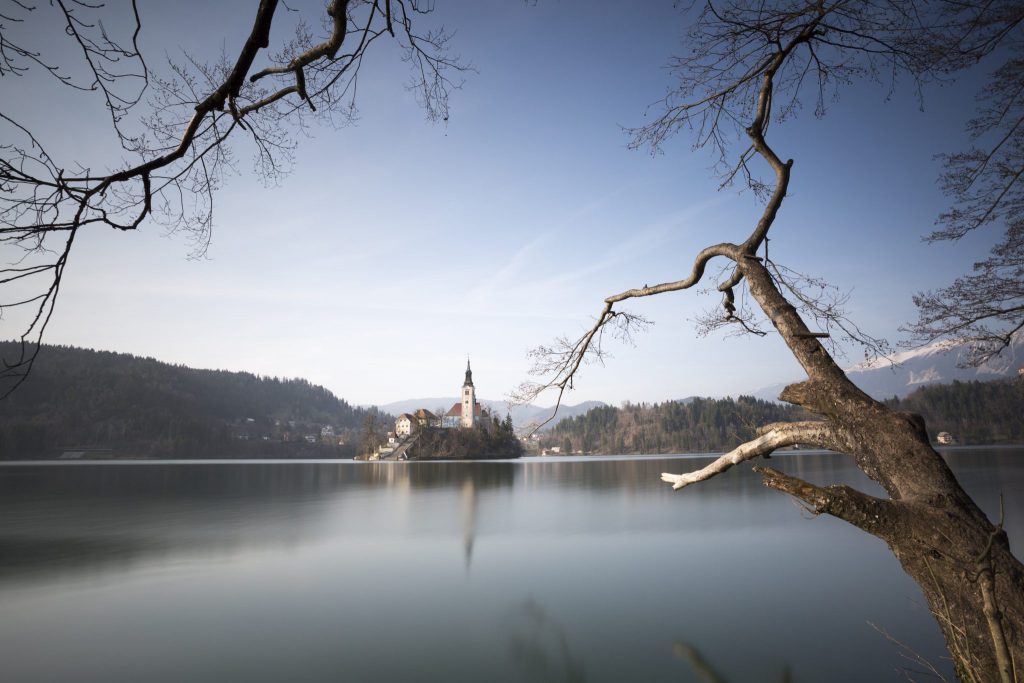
x: 179, y: 127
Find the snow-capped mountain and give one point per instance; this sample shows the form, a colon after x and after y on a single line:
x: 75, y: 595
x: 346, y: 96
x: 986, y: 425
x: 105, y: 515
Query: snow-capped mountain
x: 936, y: 363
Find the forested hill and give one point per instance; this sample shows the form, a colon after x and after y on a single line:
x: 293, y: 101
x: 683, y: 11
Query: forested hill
x: 973, y: 412
x: 692, y: 426
x: 139, y: 406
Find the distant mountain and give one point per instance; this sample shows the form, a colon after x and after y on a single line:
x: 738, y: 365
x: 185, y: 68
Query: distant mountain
x: 522, y: 416
x: 532, y: 415
x: 936, y: 363
x: 102, y: 401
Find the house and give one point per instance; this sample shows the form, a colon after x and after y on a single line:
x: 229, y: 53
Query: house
x: 425, y: 418
x: 404, y: 424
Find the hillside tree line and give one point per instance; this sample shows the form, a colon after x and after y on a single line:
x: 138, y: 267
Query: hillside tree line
x: 975, y: 413
x: 136, y: 406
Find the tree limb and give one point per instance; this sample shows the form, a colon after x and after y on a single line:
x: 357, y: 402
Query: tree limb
x: 877, y: 516
x: 183, y: 154
x: 773, y: 437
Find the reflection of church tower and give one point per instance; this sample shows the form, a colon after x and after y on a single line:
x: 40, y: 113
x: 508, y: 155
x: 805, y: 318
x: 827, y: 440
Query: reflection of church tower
x: 468, y: 399
x: 469, y: 505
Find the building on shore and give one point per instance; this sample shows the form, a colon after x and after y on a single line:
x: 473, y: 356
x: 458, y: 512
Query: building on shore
x: 404, y: 424
x: 425, y: 418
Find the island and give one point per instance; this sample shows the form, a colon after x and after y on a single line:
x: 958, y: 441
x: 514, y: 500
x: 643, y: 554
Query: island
x: 467, y: 431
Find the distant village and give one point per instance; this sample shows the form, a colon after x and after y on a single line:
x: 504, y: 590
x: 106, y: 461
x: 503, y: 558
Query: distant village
x: 250, y: 429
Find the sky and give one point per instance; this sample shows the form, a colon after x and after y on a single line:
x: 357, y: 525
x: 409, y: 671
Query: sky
x: 397, y: 247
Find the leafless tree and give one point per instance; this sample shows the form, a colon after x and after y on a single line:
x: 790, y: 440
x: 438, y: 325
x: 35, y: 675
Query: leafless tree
x: 181, y: 128
x: 749, y: 65
x: 987, y: 186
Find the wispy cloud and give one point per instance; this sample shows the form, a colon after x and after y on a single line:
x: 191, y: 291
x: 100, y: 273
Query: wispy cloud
x: 520, y: 262
x: 653, y: 237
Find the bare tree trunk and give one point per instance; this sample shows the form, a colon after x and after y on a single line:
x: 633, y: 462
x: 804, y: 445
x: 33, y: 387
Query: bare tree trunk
x: 961, y: 561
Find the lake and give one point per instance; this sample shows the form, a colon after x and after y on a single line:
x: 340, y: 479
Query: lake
x: 541, y: 569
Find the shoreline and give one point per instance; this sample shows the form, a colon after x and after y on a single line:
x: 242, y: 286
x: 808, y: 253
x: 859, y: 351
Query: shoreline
x: 526, y: 458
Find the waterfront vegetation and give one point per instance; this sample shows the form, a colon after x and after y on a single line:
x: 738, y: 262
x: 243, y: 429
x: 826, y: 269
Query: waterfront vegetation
x: 140, y: 407
x: 975, y: 413
x: 126, y: 406
x: 490, y: 440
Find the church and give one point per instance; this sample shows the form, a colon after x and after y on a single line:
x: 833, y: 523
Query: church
x: 417, y: 435
x: 467, y: 412
x: 464, y: 414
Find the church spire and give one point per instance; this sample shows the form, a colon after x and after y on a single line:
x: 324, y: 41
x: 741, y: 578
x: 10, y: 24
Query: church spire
x: 469, y: 407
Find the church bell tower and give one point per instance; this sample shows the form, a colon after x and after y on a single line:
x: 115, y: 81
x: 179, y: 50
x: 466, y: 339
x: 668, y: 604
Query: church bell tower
x: 468, y: 399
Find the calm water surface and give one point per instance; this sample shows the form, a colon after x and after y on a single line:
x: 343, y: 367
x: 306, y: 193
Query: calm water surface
x: 535, y: 570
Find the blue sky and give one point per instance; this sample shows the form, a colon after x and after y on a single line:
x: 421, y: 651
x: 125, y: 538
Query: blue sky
x: 399, y: 246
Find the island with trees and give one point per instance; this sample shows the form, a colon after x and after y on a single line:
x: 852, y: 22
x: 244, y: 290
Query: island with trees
x: 467, y: 431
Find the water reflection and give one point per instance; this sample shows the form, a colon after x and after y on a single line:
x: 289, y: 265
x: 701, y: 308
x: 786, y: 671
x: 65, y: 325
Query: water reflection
x: 61, y: 518
x: 539, y: 569
x: 704, y: 670
x: 539, y: 646
x: 437, y: 475
x: 987, y: 473
x: 470, y: 503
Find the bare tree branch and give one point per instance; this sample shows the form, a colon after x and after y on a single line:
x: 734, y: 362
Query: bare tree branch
x: 986, y: 308
x: 184, y: 155
x: 876, y: 516
x: 772, y: 437
x: 745, y: 68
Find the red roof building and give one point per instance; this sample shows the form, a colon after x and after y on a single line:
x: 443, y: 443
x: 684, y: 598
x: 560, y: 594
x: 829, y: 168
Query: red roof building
x: 456, y: 410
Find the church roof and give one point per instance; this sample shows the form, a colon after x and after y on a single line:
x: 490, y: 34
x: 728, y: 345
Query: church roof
x: 456, y: 410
